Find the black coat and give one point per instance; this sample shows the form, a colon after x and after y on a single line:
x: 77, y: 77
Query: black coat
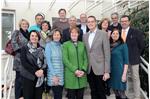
x: 29, y: 64
x: 66, y: 35
x: 135, y: 42
x: 87, y: 29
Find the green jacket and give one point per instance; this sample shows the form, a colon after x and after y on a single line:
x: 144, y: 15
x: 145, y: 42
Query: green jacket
x: 74, y: 58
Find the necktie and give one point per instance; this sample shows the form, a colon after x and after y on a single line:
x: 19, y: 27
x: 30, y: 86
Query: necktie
x: 123, y: 35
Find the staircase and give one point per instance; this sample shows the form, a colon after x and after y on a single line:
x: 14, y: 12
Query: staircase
x: 8, y: 77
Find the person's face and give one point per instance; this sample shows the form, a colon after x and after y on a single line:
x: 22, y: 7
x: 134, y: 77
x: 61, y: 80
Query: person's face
x: 56, y: 36
x: 34, y: 38
x: 74, y: 35
x: 72, y: 22
x: 45, y: 27
x: 105, y: 24
x: 114, y: 18
x: 91, y: 23
x: 83, y: 18
x: 39, y: 20
x: 62, y: 14
x: 125, y: 22
x: 115, y: 35
x: 24, y: 25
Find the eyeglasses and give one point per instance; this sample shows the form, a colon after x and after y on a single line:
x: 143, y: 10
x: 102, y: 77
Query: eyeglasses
x: 114, y: 18
x: 125, y: 21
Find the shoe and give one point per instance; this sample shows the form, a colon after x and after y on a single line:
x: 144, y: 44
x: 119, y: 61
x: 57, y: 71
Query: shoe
x: 118, y: 97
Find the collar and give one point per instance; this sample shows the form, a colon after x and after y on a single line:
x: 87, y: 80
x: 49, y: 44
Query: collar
x: 94, y: 31
x: 126, y: 30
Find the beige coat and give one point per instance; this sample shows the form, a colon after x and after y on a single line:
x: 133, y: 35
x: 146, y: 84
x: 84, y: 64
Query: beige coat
x: 99, y: 53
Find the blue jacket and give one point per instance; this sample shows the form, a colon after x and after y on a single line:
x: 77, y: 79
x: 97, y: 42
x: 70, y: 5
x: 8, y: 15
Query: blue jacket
x: 53, y: 54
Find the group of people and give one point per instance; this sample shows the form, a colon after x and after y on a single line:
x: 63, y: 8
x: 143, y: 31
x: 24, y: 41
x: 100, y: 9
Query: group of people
x: 70, y: 56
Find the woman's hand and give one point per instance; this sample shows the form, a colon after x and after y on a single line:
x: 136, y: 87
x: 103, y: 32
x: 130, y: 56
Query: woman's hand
x: 124, y: 78
x: 39, y: 73
x: 79, y: 73
x: 55, y: 80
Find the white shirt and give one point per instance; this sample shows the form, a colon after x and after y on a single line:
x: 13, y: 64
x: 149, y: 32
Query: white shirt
x: 83, y: 27
x: 91, y: 37
x: 126, y: 31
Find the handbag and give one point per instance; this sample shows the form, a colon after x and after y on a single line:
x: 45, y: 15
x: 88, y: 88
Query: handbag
x: 9, y: 49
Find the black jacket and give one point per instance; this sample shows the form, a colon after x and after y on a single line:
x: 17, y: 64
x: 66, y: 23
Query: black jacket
x: 29, y: 64
x: 87, y: 29
x: 135, y: 42
x: 66, y: 35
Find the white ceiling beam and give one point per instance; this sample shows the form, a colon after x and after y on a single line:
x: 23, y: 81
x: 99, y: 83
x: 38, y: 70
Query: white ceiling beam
x: 5, y: 3
x: 52, y: 3
x: 93, y: 5
x: 29, y: 4
x: 117, y: 4
x: 73, y: 5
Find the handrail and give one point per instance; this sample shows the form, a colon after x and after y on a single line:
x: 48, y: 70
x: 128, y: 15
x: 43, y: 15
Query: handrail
x: 146, y: 70
x: 5, y: 77
x: 7, y: 70
x: 145, y: 97
x: 144, y: 61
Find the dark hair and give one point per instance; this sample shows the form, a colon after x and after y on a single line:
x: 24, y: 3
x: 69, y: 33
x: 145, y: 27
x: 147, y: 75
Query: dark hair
x: 39, y: 37
x: 61, y: 10
x: 119, y: 39
x: 40, y: 14
x: 56, y: 30
x: 100, y: 24
x: 76, y: 28
x: 125, y: 16
x: 92, y: 17
x: 48, y: 23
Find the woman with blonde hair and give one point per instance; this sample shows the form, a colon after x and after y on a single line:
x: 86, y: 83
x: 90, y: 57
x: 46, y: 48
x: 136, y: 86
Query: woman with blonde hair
x: 19, y: 38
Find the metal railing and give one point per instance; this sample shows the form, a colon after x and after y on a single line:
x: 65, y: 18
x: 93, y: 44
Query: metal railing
x: 9, y: 66
x: 143, y: 64
x: 8, y: 77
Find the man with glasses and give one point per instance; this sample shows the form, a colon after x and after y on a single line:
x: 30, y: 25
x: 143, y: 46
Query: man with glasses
x: 83, y: 22
x: 135, y: 42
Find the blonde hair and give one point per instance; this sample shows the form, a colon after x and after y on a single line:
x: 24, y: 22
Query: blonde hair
x: 22, y: 21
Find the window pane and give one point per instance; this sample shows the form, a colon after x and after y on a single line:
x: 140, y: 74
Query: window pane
x: 7, y: 27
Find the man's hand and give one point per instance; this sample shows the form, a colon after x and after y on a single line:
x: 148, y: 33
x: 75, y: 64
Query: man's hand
x: 106, y: 76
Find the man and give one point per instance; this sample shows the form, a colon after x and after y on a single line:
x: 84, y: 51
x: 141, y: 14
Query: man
x: 62, y: 23
x: 83, y: 22
x: 135, y: 42
x: 66, y: 32
x: 39, y: 17
x: 98, y: 49
x: 115, y: 23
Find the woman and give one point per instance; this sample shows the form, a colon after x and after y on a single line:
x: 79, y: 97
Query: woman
x: 33, y: 66
x: 75, y: 62
x: 19, y: 39
x: 55, y: 72
x: 104, y: 25
x: 45, y: 33
x: 119, y: 65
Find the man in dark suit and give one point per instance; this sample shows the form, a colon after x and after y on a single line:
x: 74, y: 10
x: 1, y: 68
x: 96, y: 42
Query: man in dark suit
x: 98, y: 49
x: 66, y: 32
x: 83, y: 22
x: 135, y: 41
